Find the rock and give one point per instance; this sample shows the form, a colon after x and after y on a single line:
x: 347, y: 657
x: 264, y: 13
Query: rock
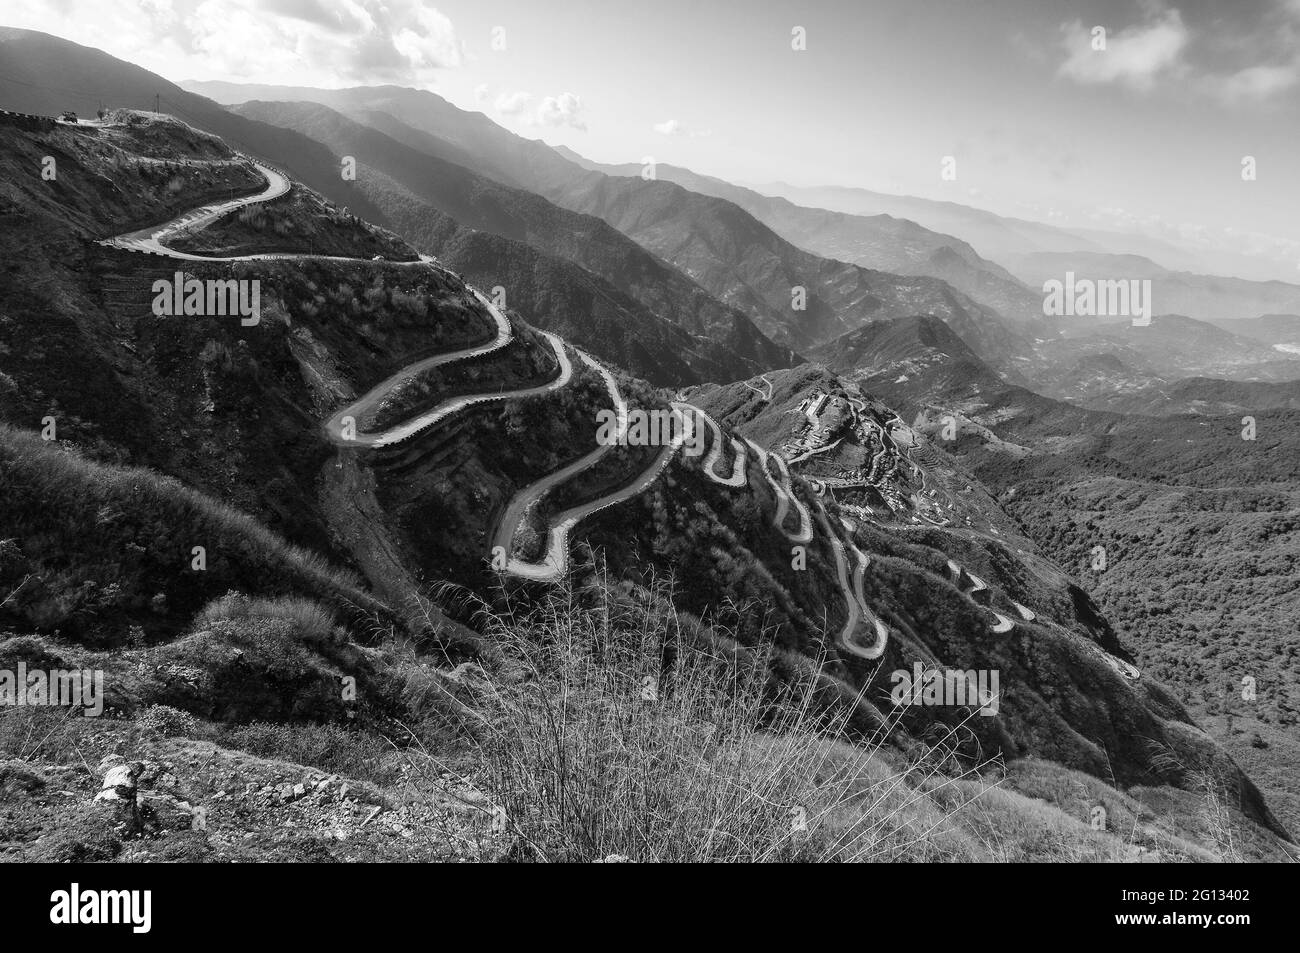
x: 168, y: 812
x: 110, y: 761
x: 18, y: 778
x: 119, y: 790
x: 299, y: 790
x: 119, y: 780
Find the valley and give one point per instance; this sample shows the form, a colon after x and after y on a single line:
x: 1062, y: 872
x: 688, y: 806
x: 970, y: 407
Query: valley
x: 512, y: 440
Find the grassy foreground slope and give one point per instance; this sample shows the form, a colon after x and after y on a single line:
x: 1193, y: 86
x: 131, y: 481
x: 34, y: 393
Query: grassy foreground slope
x: 343, y: 678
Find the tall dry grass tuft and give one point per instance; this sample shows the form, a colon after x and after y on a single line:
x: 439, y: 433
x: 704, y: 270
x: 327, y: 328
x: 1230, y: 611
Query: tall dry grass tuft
x: 313, y: 622
x: 610, y: 732
x: 1219, y: 791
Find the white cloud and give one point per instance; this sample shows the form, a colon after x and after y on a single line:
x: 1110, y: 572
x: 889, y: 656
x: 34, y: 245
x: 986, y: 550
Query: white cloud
x: 1253, y: 58
x: 675, y: 127
x: 1257, y: 82
x: 524, y: 107
x: 1236, y: 241
x: 302, y: 42
x: 562, y: 110
x: 1135, y: 56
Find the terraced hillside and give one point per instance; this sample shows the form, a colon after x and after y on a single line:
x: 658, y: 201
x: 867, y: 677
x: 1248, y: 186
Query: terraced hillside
x: 401, y: 424
x: 1196, y: 522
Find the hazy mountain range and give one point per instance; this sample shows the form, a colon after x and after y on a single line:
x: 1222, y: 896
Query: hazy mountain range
x: 395, y: 476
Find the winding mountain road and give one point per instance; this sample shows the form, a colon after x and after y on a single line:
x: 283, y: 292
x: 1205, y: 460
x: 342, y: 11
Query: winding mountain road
x: 336, y: 427
x: 555, y: 561
x: 738, y: 475
x: 153, y: 239
x: 342, y: 429
x: 784, y: 495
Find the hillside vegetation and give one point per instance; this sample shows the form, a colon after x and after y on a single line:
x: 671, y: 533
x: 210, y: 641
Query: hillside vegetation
x: 348, y: 643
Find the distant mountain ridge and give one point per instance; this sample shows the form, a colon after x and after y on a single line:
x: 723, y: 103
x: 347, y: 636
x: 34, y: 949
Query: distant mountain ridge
x: 719, y: 245
x: 992, y: 235
x: 1200, y: 296
x: 723, y: 342
x: 1173, y: 346
x: 207, y: 409
x: 882, y: 242
x: 1005, y: 239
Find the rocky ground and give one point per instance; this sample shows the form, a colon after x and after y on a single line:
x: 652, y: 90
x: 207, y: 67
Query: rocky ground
x: 180, y: 799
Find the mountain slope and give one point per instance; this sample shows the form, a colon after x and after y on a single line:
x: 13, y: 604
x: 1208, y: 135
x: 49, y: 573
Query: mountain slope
x: 1201, y: 296
x: 1281, y: 331
x: 719, y: 245
x: 1197, y: 524
x: 737, y: 257
x: 485, y: 411
x: 581, y: 303
x: 86, y: 76
x: 1174, y: 345
x: 879, y: 242
x: 920, y: 366
x: 994, y: 236
x: 722, y: 340
x: 1204, y: 396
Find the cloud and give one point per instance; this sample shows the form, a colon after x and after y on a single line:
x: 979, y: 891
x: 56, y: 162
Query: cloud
x: 1237, y: 241
x: 524, y: 107
x: 562, y: 110
x: 310, y: 11
x: 1257, y: 82
x: 1250, y: 57
x: 1135, y: 56
x: 302, y: 42
x: 675, y: 127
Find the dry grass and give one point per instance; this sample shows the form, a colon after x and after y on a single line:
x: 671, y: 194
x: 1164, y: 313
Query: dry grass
x: 313, y: 623
x: 1218, y: 791
x: 610, y: 733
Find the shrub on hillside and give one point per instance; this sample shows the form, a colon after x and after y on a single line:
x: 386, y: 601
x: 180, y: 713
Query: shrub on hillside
x: 103, y: 542
x: 311, y: 621
x: 619, y: 734
x: 167, y: 722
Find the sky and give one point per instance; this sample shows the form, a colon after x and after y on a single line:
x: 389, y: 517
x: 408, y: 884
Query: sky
x: 1143, y: 127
